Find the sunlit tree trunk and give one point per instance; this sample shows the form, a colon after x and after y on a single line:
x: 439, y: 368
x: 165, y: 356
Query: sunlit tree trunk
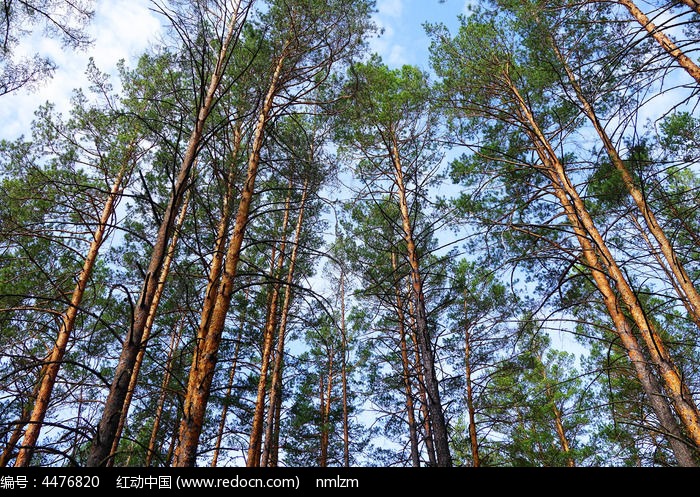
x: 205, y: 354
x: 473, y: 438
x: 147, y: 329
x: 689, y: 293
x: 270, y: 455
x: 666, y: 43
x: 53, y: 362
x: 106, y: 430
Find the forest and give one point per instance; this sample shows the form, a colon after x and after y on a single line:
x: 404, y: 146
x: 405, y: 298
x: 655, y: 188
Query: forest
x: 263, y: 246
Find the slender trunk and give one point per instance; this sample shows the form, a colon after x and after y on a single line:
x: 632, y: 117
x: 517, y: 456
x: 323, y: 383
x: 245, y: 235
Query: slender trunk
x: 325, y: 409
x: 666, y: 43
x: 437, y: 416
x: 558, y: 421
x: 205, y: 355
x: 256, y: 432
x: 689, y: 293
x: 473, y: 439
x: 147, y: 329
x: 344, y: 372
x: 106, y: 430
x: 673, y: 382
x: 418, y: 366
x: 229, y: 389
x: 7, y: 452
x: 160, y: 407
x: 217, y: 261
x: 67, y: 324
x: 692, y: 4
x: 405, y: 364
x: 272, y: 429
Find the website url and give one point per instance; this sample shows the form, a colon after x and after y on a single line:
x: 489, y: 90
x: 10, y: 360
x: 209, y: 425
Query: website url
x: 237, y: 482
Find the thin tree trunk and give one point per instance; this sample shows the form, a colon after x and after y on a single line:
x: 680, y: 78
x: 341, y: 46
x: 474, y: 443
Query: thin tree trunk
x: 405, y: 364
x: 473, y: 439
x: 558, y: 421
x: 147, y: 330
x: 689, y: 293
x: 160, y: 407
x: 229, y: 389
x: 344, y: 372
x: 674, y: 385
x: 106, y: 430
x: 325, y: 409
x: 666, y: 43
x: 692, y: 4
x: 418, y: 366
x: 205, y: 355
x: 257, y: 429
x: 53, y: 362
x: 272, y: 430
x: 437, y: 416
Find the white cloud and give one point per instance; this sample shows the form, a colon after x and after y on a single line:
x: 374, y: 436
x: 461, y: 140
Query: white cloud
x: 390, y: 8
x: 121, y: 29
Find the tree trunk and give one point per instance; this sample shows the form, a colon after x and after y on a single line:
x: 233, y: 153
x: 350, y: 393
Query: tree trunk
x: 147, y: 329
x: 344, y: 372
x: 669, y: 46
x: 674, y: 385
x: 325, y: 409
x: 275, y: 403
x: 160, y: 407
x: 205, y: 355
x: 256, y: 432
x: 405, y: 364
x: 473, y: 439
x: 437, y: 417
x: 692, y: 4
x: 689, y: 294
x: 106, y: 430
x: 53, y: 361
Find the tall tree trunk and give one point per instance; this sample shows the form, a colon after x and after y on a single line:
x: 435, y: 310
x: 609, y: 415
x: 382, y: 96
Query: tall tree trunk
x: 229, y: 389
x: 147, y: 329
x: 272, y: 429
x: 405, y: 365
x: 344, y: 372
x: 674, y: 385
x: 558, y: 421
x: 205, y: 355
x: 106, y: 430
x: 473, y: 438
x: 53, y: 362
x: 689, y: 294
x: 437, y: 416
x: 666, y: 43
x: 160, y: 407
x: 256, y: 433
x: 325, y: 408
x: 692, y: 4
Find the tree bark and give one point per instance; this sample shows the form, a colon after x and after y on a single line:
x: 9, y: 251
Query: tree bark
x: 405, y: 368
x: 473, y: 438
x: 106, y: 430
x: 147, y: 329
x: 53, y: 361
x: 437, y: 417
x: 270, y: 455
x: 689, y: 294
x: 666, y: 43
x: 674, y: 385
x: 205, y: 355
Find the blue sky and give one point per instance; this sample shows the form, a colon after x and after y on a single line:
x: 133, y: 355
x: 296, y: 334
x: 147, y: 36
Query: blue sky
x: 122, y: 29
